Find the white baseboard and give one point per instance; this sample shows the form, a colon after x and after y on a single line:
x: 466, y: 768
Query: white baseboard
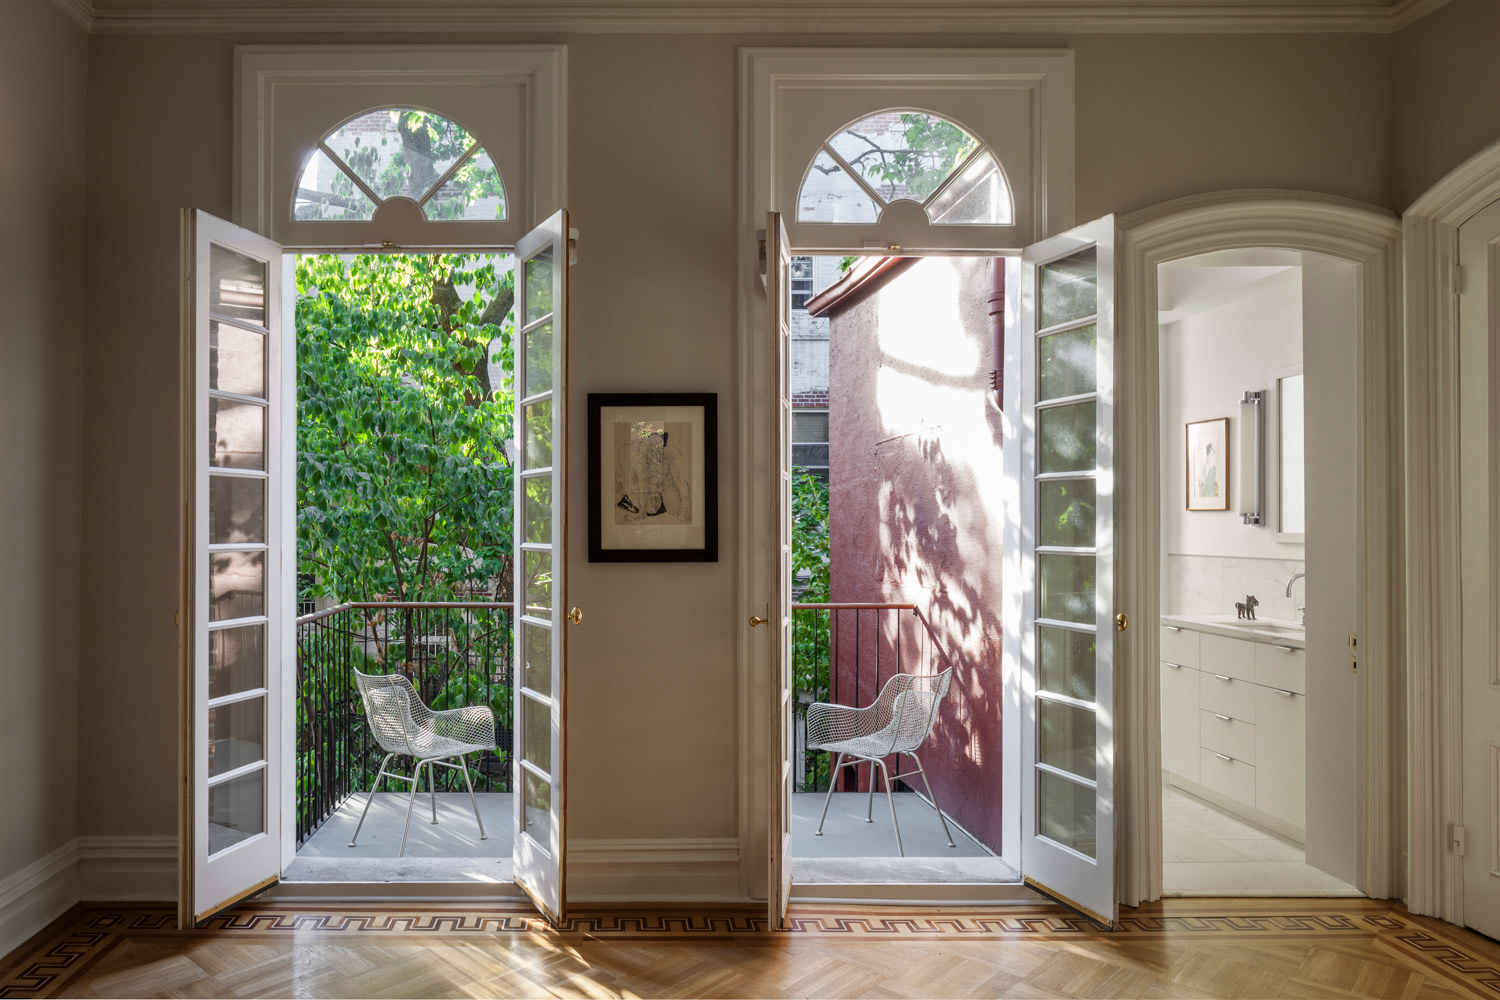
x: 117, y: 869
x: 703, y: 869
x: 37, y: 895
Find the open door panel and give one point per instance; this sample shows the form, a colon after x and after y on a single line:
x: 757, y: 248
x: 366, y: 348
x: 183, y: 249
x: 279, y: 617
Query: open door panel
x: 1060, y: 561
x: 237, y: 580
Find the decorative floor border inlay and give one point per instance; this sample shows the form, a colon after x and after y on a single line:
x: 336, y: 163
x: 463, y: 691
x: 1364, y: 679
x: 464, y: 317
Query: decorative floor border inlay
x: 89, y: 931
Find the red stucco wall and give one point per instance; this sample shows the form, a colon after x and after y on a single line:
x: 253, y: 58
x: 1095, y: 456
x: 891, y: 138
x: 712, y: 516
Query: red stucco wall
x: 915, y: 516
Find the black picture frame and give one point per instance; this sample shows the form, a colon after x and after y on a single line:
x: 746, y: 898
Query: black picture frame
x: 654, y: 491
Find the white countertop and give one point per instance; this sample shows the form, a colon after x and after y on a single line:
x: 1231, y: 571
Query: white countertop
x: 1267, y: 630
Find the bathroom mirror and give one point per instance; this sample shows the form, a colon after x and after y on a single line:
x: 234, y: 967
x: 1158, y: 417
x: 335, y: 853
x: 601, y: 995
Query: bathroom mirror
x: 1291, y: 517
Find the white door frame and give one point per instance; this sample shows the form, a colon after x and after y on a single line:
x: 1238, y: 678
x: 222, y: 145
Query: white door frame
x: 1433, y: 624
x: 1370, y: 238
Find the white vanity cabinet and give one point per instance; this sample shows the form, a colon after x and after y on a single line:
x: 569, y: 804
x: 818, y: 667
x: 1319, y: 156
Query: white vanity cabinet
x: 1233, y: 723
x: 1179, y: 701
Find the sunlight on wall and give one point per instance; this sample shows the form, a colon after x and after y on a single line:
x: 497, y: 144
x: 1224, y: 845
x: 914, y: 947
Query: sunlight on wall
x: 920, y: 323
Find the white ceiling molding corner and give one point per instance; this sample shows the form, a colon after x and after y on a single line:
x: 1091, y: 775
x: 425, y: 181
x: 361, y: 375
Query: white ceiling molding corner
x: 80, y: 11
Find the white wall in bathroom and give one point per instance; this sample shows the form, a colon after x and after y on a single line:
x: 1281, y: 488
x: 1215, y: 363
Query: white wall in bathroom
x: 1209, y: 358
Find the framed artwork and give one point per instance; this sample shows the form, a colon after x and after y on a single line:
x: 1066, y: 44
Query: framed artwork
x: 1208, y: 464
x: 653, y: 477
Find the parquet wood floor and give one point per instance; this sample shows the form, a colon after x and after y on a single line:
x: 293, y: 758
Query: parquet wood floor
x: 1178, y: 948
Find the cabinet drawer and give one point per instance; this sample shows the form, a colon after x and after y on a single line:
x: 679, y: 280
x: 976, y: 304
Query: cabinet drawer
x: 1282, y: 667
x: 1230, y: 736
x: 1280, y: 755
x: 1233, y: 778
x: 1227, y: 696
x: 1179, y: 712
x: 1235, y: 657
x: 1179, y: 645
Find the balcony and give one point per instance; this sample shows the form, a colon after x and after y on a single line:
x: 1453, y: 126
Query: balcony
x: 461, y: 654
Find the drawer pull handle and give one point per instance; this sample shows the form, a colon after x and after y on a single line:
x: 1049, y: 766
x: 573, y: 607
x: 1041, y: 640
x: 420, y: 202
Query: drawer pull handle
x: 1172, y: 628
x: 1222, y: 756
x: 1285, y: 694
x: 1224, y: 677
x: 1226, y: 718
x: 1287, y: 649
x: 1174, y: 666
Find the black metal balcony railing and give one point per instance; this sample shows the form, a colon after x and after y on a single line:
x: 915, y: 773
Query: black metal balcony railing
x: 455, y: 654
x: 843, y: 653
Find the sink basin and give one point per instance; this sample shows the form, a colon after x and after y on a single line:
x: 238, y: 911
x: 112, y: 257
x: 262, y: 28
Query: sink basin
x: 1275, y: 627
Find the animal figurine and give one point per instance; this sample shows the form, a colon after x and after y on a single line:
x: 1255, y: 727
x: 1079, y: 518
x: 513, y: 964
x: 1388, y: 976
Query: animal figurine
x: 1246, y: 609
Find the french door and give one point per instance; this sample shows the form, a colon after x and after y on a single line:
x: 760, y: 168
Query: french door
x: 778, y: 267
x: 541, y: 353
x: 1061, y: 622
x: 237, y: 495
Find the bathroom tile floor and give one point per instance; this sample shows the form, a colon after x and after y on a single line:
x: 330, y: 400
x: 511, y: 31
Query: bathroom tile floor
x: 1208, y: 852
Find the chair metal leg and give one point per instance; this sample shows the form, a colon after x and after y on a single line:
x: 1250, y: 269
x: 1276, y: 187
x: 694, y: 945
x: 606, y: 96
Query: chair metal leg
x: 890, y: 799
x: 432, y: 790
x: 416, y: 785
x: 370, y: 798
x: 833, y: 776
x: 870, y: 799
x: 464, y: 766
x: 933, y: 797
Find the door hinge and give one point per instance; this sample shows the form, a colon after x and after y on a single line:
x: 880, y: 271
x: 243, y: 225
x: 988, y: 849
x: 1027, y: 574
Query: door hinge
x: 760, y: 251
x: 1460, y: 840
x: 572, y: 246
x: 1456, y: 278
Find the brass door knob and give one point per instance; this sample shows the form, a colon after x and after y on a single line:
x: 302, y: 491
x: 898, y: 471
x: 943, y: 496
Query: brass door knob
x: 757, y: 620
x: 1121, y: 622
x: 575, y: 616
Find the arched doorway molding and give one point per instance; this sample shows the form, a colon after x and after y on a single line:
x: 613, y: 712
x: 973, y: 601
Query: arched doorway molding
x: 1370, y: 238
x: 1433, y: 625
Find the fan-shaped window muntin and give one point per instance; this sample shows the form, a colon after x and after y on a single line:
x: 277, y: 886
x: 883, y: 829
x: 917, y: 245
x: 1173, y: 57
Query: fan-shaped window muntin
x: 392, y: 153
x: 907, y: 155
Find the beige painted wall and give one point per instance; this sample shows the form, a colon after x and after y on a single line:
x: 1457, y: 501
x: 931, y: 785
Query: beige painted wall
x: 653, y: 121
x: 42, y: 90
x: 1446, y: 89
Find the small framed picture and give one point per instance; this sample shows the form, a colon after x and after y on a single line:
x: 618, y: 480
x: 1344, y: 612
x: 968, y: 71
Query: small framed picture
x: 653, y: 477
x: 1208, y: 464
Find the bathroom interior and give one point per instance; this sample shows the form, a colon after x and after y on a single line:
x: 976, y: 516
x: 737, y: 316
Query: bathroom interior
x: 1259, y: 687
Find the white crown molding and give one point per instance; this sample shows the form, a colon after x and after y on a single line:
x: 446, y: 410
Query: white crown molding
x: 38, y: 894
x: 80, y: 11
x: 871, y: 16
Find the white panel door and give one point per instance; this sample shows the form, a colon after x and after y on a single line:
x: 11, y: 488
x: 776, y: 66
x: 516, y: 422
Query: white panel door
x: 779, y: 313
x: 239, y: 599
x: 1060, y: 563
x: 540, y: 531
x: 1479, y: 351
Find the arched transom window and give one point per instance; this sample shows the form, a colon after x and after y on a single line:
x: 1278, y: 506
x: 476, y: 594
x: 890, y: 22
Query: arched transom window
x: 394, y: 153
x: 905, y: 156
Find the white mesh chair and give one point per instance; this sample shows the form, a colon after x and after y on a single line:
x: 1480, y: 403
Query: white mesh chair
x: 403, y: 725
x: 897, y: 723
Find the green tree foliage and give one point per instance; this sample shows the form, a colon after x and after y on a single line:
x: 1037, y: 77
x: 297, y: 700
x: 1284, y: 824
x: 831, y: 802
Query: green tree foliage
x: 403, y: 486
x: 810, y: 627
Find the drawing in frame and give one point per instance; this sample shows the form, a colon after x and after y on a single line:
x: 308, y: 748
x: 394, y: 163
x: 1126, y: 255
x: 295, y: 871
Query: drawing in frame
x: 653, y: 477
x: 1208, y: 464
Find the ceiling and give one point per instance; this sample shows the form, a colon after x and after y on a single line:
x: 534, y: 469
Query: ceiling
x: 698, y: 16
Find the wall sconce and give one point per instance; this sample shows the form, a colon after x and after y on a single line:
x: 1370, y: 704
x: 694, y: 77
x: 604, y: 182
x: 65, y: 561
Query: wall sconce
x: 1252, y: 457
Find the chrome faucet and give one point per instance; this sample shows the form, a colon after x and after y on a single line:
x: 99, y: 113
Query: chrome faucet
x: 1303, y: 608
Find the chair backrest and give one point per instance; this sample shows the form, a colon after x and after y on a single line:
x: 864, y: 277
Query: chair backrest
x: 395, y: 712
x: 907, y: 707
